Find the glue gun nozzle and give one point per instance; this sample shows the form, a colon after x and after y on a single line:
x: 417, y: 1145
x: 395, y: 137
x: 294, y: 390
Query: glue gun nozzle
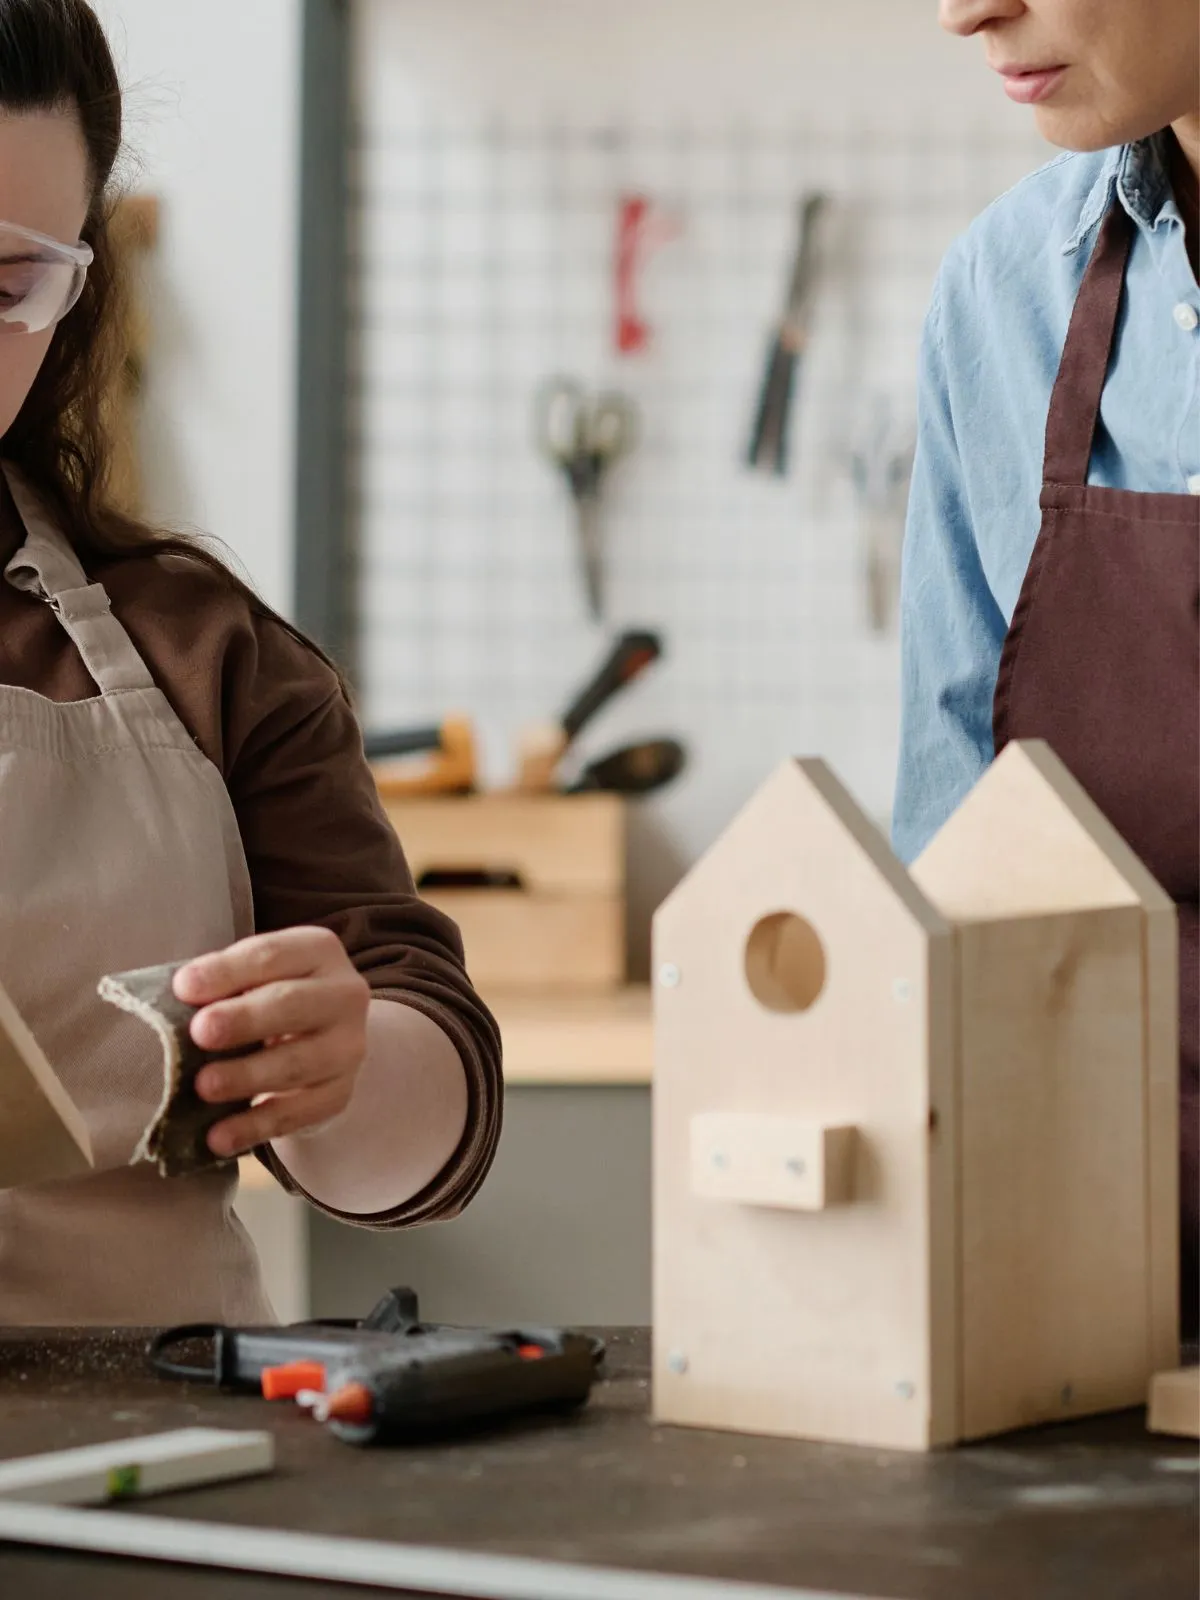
x: 353, y: 1403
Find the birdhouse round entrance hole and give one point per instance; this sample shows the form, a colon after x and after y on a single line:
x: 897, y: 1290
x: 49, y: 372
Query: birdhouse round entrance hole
x: 785, y: 962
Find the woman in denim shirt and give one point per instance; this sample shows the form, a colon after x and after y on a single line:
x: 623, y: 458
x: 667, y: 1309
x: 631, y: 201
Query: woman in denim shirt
x: 1052, y: 559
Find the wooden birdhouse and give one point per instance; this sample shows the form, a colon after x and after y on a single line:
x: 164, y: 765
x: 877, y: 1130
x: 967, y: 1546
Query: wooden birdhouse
x: 914, y: 1131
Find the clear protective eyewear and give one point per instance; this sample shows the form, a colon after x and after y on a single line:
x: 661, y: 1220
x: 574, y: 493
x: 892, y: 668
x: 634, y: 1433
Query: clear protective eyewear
x: 40, y: 278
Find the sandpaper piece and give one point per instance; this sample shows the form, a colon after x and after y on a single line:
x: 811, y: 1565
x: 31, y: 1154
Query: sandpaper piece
x: 43, y: 1136
x: 176, y: 1139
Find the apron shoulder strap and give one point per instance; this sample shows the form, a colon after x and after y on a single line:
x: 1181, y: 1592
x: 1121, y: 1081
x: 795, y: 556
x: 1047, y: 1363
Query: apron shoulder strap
x: 107, y: 650
x: 1075, y: 402
x: 46, y: 565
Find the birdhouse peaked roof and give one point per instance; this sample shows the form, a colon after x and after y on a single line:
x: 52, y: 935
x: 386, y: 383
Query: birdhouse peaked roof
x: 803, y: 805
x: 1028, y: 841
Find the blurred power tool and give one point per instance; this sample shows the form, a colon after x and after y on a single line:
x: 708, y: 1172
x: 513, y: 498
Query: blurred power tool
x: 391, y: 1376
x: 449, y: 765
x: 635, y: 770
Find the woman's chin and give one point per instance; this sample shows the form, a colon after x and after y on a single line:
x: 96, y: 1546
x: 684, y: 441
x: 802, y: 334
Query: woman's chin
x: 1082, y: 128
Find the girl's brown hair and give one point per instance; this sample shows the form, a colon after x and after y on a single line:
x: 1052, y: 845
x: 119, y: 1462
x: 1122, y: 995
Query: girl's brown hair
x: 54, y: 56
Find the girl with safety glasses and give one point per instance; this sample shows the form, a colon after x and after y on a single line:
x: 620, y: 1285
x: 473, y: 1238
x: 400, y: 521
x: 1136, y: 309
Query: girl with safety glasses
x: 182, y: 779
x: 40, y: 278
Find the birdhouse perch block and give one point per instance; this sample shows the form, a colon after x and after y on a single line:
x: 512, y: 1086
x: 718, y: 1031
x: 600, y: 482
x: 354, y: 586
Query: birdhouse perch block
x: 771, y: 1161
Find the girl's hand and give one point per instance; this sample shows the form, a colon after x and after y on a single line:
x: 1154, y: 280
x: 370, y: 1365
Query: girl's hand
x: 298, y: 993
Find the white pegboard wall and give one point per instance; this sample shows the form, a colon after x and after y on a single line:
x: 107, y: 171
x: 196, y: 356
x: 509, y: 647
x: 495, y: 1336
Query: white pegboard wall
x: 483, y: 265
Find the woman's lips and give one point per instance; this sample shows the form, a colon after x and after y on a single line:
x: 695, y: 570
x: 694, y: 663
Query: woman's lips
x: 1029, y: 85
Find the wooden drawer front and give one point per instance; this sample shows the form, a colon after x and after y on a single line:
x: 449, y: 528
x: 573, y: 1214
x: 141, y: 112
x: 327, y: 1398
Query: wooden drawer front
x: 522, y: 941
x: 556, y: 844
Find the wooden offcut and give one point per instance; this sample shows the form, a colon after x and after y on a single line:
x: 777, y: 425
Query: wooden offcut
x: 43, y: 1136
x: 992, y: 1039
x: 1175, y: 1403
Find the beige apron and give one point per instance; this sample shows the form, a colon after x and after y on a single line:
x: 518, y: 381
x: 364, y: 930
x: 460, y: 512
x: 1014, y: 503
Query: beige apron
x: 119, y: 849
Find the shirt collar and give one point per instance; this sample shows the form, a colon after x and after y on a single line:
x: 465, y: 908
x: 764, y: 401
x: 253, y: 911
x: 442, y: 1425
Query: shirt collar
x: 1138, y: 173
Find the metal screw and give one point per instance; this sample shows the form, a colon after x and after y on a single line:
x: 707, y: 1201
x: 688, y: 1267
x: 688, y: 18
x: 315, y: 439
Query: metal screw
x: 903, y: 990
x: 669, y: 975
x: 1068, y: 1395
x: 906, y: 1390
x: 677, y: 1362
x: 796, y: 1167
x: 720, y: 1159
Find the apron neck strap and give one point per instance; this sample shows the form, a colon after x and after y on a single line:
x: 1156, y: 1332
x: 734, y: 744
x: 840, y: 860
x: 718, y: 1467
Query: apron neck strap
x: 47, y: 566
x: 1075, y: 402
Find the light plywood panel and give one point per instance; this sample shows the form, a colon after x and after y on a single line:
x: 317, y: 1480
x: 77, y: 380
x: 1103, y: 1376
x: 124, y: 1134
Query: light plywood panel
x: 838, y: 1324
x: 42, y: 1133
x: 1053, y: 1270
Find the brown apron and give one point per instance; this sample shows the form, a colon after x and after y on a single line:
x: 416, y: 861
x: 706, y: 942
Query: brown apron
x: 1103, y: 662
x: 119, y: 849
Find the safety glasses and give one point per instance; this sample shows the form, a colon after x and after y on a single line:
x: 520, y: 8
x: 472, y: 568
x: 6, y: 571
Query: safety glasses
x: 40, y: 279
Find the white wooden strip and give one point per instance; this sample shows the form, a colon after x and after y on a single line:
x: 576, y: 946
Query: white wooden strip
x: 363, y: 1563
x: 130, y: 1468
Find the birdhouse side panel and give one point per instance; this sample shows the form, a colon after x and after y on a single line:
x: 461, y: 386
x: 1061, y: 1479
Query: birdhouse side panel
x: 789, y: 1317
x: 1162, y: 1132
x: 1054, y: 1268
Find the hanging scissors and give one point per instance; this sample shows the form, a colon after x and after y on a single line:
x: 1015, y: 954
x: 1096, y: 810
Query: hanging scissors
x: 881, y: 460
x: 583, y: 437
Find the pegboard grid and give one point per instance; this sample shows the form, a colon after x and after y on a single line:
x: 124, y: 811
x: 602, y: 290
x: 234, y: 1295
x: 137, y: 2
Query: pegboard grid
x: 482, y: 265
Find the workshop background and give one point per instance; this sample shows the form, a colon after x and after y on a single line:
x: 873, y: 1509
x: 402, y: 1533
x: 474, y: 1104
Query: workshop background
x: 499, y: 153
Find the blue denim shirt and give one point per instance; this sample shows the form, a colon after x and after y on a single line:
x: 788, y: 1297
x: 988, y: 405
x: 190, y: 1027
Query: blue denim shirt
x: 993, y: 340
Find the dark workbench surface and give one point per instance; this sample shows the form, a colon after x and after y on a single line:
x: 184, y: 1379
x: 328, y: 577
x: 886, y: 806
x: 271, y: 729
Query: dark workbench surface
x: 1090, y: 1511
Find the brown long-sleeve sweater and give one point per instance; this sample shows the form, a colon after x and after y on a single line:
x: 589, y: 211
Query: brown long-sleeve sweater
x: 273, y: 719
